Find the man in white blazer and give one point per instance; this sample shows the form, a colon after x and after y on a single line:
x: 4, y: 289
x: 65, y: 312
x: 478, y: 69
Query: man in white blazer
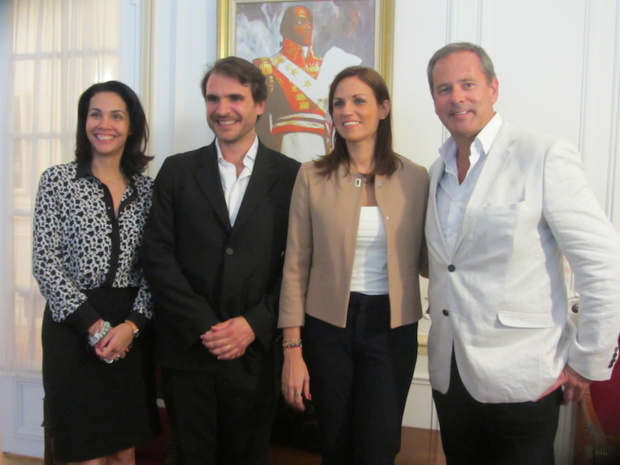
x: 505, y: 206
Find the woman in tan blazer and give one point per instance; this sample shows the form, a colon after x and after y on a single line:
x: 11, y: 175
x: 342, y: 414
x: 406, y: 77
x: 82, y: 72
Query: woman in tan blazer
x: 354, y: 253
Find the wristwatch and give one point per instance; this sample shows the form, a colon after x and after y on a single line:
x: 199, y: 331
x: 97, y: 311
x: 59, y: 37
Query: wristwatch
x: 134, y: 328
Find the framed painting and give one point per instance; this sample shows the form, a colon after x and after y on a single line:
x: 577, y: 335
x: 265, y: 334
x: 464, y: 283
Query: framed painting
x: 300, y: 46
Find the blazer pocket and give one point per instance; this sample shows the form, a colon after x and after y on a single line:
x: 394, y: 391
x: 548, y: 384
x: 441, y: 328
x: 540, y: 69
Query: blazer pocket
x: 496, y: 227
x: 526, y: 320
x: 505, y: 208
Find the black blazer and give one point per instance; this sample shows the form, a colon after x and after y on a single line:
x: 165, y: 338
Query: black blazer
x: 203, y: 271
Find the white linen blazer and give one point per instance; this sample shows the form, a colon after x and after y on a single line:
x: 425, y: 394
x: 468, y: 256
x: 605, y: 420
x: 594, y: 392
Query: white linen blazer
x: 499, y: 298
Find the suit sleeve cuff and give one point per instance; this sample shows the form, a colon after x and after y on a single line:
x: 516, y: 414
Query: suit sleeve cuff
x: 138, y: 319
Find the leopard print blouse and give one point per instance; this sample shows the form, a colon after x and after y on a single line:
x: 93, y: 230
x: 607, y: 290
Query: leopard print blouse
x: 78, y: 244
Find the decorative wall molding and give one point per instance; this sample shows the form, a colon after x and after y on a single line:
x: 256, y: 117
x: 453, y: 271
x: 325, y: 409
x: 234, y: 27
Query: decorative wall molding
x: 28, y: 420
x: 21, y: 403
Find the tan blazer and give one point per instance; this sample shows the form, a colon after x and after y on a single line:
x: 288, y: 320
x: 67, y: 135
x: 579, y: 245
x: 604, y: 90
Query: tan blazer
x: 322, y: 234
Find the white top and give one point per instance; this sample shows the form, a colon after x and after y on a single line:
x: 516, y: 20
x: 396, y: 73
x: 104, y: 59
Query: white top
x: 234, y: 187
x: 370, y: 274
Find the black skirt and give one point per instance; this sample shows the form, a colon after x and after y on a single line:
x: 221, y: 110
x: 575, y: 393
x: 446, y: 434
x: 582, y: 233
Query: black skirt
x: 96, y: 408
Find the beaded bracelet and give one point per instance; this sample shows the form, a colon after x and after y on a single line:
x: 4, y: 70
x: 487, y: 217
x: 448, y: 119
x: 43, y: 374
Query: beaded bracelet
x: 291, y: 343
x: 104, y: 328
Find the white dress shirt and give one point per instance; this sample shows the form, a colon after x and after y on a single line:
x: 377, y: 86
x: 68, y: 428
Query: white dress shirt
x: 235, y: 186
x: 452, y: 197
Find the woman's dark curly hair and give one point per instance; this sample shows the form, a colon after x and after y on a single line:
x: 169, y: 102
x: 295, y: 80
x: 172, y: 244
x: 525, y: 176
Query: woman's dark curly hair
x: 134, y: 160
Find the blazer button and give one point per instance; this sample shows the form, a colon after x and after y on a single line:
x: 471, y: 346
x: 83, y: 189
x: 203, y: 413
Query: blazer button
x: 445, y: 312
x: 229, y: 251
x: 451, y: 268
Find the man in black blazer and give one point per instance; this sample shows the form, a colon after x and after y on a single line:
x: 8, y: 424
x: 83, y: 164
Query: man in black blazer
x: 213, y: 254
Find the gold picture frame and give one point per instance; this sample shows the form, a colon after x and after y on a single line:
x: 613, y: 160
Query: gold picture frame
x: 343, y: 33
x: 383, y: 22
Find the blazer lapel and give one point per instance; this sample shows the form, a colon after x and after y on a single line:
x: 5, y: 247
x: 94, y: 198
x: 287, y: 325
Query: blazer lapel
x: 435, y: 172
x: 497, y: 158
x: 263, y: 176
x: 208, y: 178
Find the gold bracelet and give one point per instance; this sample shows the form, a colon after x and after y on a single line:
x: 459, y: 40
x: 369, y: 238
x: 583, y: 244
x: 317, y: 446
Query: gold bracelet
x: 134, y: 328
x: 291, y: 343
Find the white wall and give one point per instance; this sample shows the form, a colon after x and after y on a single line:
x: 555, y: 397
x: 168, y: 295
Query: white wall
x: 184, y: 43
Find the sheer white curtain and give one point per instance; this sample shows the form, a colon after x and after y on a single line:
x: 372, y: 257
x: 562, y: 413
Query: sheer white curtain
x: 54, y: 50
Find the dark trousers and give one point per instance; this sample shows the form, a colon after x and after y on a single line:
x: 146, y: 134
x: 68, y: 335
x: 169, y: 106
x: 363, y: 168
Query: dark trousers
x: 359, y: 379
x: 496, y: 434
x: 219, y: 421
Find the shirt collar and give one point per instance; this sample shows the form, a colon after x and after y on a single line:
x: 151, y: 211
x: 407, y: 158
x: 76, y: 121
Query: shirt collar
x: 83, y: 169
x: 487, y: 135
x: 480, y: 146
x: 248, y: 159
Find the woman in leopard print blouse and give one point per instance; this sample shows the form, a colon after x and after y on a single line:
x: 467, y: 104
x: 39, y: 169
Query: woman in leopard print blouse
x: 89, y: 216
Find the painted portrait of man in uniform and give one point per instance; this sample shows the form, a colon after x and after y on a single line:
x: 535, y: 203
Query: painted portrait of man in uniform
x: 300, y: 47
